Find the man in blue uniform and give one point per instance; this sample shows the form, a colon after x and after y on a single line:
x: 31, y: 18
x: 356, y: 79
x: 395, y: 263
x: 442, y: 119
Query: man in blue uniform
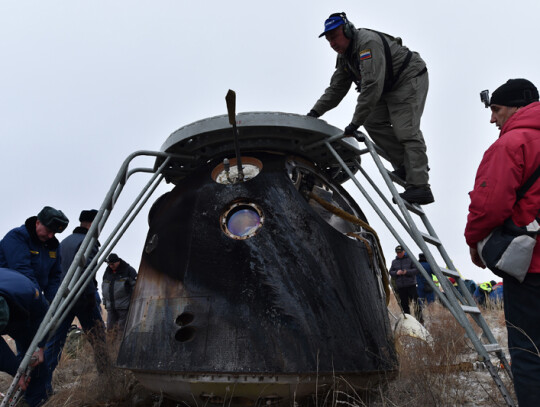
x: 32, y: 250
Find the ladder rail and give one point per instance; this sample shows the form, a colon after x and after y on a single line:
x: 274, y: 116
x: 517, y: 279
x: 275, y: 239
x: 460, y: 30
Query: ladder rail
x: 78, y: 283
x: 387, y: 223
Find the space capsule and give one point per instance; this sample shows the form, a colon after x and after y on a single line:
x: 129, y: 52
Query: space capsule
x: 262, y: 287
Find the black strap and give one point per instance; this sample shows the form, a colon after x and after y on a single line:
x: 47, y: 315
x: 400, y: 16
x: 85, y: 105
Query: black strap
x: 389, y: 74
x: 389, y: 78
x: 520, y: 193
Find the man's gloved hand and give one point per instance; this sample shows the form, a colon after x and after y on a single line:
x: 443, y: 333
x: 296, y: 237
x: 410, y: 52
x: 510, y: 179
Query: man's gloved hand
x: 350, y: 129
x: 313, y: 113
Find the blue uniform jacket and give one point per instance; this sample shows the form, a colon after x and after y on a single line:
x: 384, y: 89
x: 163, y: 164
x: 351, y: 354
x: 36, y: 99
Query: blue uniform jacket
x: 27, y: 307
x: 69, y: 248
x: 21, y: 250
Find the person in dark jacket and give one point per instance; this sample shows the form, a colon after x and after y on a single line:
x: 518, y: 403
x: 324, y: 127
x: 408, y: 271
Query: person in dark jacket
x: 87, y: 308
x: 22, y: 308
x: 404, y: 271
x: 118, y: 283
x: 425, y: 291
x: 32, y: 250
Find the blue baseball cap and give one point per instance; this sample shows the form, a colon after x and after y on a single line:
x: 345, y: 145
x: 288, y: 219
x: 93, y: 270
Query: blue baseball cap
x: 332, y: 23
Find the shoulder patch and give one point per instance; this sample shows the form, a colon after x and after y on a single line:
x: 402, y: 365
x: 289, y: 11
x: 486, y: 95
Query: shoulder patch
x: 365, y: 54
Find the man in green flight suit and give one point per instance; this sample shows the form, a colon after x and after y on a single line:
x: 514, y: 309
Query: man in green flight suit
x: 393, y: 85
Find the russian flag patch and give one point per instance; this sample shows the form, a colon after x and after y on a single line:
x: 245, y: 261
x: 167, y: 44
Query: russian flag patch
x: 365, y: 54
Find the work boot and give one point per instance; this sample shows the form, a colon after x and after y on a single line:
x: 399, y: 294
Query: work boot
x: 418, y: 195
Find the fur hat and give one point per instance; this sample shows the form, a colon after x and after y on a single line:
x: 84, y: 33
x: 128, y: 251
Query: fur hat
x: 88, y: 215
x: 53, y: 219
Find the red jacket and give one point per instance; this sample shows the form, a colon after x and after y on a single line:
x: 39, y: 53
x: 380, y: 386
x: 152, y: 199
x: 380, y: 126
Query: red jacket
x: 506, y: 165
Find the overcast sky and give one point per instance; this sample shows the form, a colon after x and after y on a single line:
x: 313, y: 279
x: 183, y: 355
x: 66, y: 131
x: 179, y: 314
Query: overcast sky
x: 85, y: 83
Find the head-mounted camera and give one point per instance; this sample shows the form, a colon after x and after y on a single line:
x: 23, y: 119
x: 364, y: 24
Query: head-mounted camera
x: 484, y: 97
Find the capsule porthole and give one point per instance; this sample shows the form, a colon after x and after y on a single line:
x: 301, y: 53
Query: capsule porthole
x: 242, y: 220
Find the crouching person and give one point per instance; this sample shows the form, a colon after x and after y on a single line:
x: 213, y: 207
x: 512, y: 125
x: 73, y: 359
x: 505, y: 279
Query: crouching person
x: 22, y: 308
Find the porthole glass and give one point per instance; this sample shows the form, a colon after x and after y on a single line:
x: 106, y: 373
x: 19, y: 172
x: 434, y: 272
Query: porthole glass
x: 242, y: 220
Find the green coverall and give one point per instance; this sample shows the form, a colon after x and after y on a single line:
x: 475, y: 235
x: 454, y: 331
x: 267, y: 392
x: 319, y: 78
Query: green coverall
x: 391, y: 117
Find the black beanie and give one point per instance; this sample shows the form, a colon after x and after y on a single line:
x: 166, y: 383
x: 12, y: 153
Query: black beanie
x: 515, y: 93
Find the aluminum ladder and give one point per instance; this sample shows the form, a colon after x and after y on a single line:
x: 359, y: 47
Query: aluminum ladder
x: 457, y: 300
x: 78, y: 275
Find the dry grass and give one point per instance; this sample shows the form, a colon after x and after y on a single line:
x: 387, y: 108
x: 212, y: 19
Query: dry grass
x: 444, y: 374
x: 77, y: 383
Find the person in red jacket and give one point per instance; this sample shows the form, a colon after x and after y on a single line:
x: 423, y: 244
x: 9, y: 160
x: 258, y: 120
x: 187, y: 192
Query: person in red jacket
x: 506, y: 165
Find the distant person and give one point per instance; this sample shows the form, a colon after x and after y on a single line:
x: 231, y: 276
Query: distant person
x: 118, y: 283
x: 505, y: 167
x: 393, y: 84
x: 471, y: 286
x: 22, y: 308
x: 87, y: 309
x: 426, y: 295
x: 405, y: 272
x: 32, y: 250
x: 482, y: 292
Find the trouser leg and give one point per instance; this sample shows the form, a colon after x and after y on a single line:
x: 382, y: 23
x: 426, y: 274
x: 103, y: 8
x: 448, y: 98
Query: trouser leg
x: 379, y: 128
x: 404, y: 299
x: 112, y: 318
x: 53, y: 349
x: 405, y: 107
x: 8, y: 361
x: 521, y: 304
x: 36, y: 393
x: 94, y: 328
x: 122, y: 319
x: 413, y: 297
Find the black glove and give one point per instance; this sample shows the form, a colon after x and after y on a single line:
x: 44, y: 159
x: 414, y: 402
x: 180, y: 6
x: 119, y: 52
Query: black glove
x: 350, y: 129
x: 313, y: 113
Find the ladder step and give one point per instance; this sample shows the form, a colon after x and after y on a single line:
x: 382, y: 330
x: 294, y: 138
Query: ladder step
x: 414, y: 208
x: 395, y: 179
x: 450, y: 273
x: 493, y: 347
x: 431, y: 239
x: 470, y: 309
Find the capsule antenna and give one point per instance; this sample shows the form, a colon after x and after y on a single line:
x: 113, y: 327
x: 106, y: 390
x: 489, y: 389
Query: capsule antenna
x: 231, y: 110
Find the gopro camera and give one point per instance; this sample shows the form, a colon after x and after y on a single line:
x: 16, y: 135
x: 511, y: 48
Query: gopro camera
x: 484, y: 97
